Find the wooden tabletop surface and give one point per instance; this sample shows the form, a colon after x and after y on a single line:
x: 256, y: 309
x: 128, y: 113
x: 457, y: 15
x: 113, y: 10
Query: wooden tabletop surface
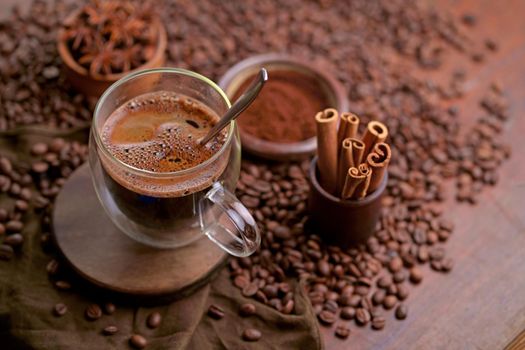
x: 481, y: 303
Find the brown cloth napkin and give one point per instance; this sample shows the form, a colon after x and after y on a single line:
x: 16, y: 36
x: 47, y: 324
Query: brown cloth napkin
x: 27, y: 298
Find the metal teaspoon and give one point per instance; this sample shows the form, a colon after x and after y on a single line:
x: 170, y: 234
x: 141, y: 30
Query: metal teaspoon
x: 239, y: 106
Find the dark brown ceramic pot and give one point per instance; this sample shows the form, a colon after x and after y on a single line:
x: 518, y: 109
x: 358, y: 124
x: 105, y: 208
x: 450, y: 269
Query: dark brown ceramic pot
x: 233, y: 79
x: 343, y: 222
x: 89, y: 85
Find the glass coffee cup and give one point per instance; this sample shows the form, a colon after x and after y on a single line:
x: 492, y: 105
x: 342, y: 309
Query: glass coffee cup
x: 203, y: 202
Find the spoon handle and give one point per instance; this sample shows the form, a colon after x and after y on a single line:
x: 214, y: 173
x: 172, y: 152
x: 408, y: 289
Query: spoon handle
x: 240, y: 105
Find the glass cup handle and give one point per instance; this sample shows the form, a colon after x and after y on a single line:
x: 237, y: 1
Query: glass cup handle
x: 227, y: 222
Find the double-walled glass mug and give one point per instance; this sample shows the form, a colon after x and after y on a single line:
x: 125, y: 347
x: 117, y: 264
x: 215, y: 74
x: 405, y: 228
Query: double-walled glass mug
x: 206, y: 204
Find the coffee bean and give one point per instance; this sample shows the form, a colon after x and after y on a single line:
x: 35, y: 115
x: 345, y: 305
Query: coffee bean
x: 362, y: 316
x: 395, y: 264
x: 384, y: 281
x: 93, y: 312
x: 326, y: 317
x: 14, y: 226
x: 416, y: 275
x: 342, y: 332
x: 250, y: 290
x: 138, y: 341
x: 447, y: 264
x: 401, y: 312
x: 39, y: 167
x: 215, y: 312
x: 60, y: 309
x: 14, y: 240
x: 52, y: 267
x: 154, y: 319
x: 109, y: 308
x: 378, y: 323
x: 6, y: 252
x: 241, y: 281
x: 247, y: 309
x: 39, y: 149
x: 400, y: 276
x: 436, y: 265
x: 323, y: 267
x: 347, y: 313
x: 402, y: 292
x: 110, y: 330
x: 378, y: 297
x: 63, y: 285
x: 288, y: 307
x: 389, y: 302
x: 251, y: 334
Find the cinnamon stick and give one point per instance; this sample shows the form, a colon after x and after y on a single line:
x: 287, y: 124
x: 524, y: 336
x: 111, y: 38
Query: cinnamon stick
x: 375, y: 132
x: 345, y: 163
x: 362, y: 188
x: 358, y: 149
x: 347, y: 127
x: 326, y: 122
x: 378, y: 160
x: 353, y: 179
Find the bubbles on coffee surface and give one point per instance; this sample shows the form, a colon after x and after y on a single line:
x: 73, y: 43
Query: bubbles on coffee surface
x: 160, y: 132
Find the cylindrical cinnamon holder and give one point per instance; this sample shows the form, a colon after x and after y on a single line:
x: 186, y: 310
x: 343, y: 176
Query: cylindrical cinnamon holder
x: 343, y: 222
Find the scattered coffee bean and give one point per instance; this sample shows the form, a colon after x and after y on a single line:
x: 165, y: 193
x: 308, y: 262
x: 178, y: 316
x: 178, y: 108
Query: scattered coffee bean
x: 447, y: 264
x: 247, y: 309
x: 14, y: 240
x: 416, y: 275
x: 250, y: 290
x: 378, y: 323
x: 402, y: 292
x: 347, y: 313
x: 93, y: 312
x: 401, y: 312
x: 110, y: 330
x: 6, y: 252
x: 215, y: 312
x: 138, y: 341
x: 251, y: 334
x: 39, y: 149
x: 362, y: 316
x: 63, y: 285
x: 154, y: 320
x: 109, y: 308
x: 60, y: 309
x: 378, y: 297
x: 342, y: 332
x: 326, y: 317
x: 389, y: 302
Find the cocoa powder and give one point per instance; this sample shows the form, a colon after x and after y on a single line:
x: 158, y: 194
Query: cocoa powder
x: 284, y: 110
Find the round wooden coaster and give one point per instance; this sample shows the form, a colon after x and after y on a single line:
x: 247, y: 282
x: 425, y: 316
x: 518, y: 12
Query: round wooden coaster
x: 107, y: 257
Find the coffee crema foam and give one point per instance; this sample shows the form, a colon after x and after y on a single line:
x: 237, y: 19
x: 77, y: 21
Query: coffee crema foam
x: 160, y: 132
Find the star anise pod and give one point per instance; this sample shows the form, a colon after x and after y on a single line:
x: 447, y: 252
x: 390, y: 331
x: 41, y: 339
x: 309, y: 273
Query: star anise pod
x: 112, y: 36
x: 128, y: 58
x: 101, y: 59
x: 79, y: 36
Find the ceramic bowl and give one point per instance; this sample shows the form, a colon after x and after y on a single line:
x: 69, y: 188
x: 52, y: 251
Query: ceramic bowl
x: 234, y: 78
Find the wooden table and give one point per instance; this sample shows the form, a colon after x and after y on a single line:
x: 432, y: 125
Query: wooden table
x: 481, y: 303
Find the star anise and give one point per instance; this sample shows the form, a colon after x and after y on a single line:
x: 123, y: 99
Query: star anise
x: 100, y: 60
x: 112, y: 36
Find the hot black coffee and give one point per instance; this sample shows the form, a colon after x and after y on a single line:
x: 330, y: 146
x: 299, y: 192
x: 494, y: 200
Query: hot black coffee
x: 157, y: 135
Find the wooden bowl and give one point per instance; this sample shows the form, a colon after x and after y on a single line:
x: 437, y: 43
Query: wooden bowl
x: 237, y: 75
x: 94, y: 86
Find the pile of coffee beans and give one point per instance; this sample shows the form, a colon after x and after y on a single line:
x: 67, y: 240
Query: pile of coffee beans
x: 34, y: 88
